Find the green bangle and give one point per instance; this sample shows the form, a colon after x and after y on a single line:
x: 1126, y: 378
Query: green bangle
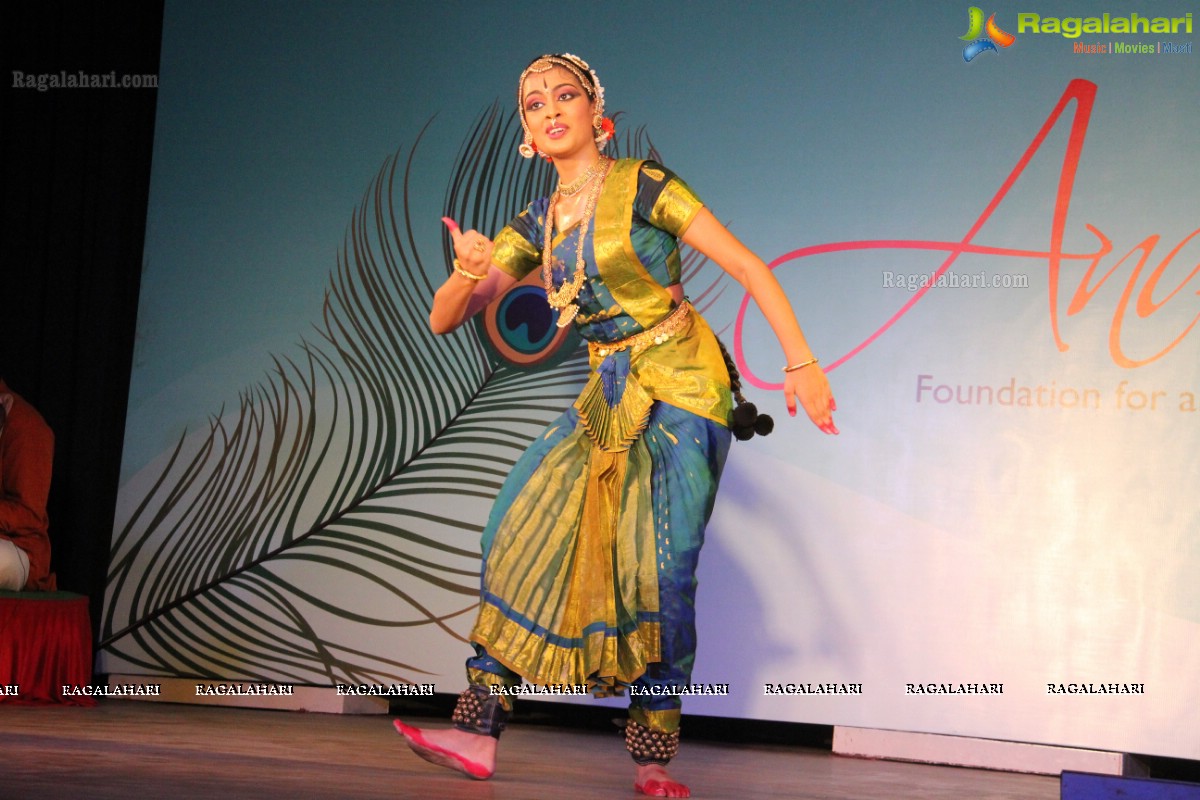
x: 801, y: 365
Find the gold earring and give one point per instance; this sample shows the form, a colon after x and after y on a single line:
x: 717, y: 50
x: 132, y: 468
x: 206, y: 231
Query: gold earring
x: 526, y: 148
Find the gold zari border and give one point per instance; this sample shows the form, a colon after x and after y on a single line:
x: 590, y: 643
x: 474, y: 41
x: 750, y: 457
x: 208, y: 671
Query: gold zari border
x: 541, y: 662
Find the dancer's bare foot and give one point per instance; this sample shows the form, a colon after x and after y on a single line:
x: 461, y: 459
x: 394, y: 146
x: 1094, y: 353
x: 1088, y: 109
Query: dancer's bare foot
x: 469, y: 753
x: 654, y: 781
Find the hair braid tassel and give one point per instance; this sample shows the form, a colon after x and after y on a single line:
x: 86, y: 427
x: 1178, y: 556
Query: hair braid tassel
x: 746, y: 419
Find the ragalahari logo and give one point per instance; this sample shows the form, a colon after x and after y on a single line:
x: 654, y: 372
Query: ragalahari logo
x: 977, y: 43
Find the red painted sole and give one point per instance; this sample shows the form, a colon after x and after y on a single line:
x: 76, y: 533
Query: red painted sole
x: 440, y: 755
x: 662, y: 789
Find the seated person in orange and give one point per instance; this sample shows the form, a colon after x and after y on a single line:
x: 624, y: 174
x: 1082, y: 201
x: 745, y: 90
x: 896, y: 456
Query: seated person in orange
x: 26, y: 457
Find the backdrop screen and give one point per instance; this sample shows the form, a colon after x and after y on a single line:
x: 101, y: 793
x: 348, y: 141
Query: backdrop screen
x: 985, y: 218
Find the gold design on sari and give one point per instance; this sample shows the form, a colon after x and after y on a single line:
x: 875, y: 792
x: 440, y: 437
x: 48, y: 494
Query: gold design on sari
x: 513, y: 254
x: 627, y: 279
x: 614, y: 428
x: 675, y: 208
x: 574, y: 561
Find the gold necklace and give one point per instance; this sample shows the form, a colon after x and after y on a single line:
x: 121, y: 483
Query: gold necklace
x: 563, y: 298
x: 574, y: 187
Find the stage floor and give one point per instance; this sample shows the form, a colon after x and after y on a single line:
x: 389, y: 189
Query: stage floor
x: 128, y: 749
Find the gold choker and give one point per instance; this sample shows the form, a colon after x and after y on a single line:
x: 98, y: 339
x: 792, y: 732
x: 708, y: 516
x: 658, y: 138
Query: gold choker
x: 576, y: 186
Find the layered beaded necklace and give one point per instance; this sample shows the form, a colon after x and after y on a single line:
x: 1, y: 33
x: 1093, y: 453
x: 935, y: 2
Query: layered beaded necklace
x: 563, y: 298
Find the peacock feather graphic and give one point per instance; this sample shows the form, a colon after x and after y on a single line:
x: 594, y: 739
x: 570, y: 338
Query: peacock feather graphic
x: 326, y: 530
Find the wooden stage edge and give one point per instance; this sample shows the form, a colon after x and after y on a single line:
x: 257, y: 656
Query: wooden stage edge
x: 121, y: 749
x: 207, y: 692
x: 922, y: 748
x: 966, y: 751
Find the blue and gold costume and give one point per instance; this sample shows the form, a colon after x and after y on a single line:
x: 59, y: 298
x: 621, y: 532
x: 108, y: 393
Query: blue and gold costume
x: 590, y: 552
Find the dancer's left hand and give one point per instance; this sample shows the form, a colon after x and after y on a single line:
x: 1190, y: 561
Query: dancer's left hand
x: 810, y: 387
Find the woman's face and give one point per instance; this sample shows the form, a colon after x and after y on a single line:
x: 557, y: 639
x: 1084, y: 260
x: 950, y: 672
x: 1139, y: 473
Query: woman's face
x: 558, y: 112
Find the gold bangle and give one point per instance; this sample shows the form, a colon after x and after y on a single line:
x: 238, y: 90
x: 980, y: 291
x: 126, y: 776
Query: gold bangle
x: 467, y: 273
x: 801, y: 365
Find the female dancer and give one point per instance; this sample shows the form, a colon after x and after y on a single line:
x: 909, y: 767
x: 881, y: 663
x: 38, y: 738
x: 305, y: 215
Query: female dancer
x: 590, y: 552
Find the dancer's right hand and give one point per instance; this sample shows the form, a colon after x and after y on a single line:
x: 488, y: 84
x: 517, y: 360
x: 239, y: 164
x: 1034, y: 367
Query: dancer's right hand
x: 472, y: 249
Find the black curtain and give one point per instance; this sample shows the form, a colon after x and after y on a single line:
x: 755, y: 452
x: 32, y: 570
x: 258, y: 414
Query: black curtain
x: 76, y: 177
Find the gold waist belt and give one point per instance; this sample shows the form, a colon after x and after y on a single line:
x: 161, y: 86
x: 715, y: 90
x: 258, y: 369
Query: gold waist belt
x: 672, y: 324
